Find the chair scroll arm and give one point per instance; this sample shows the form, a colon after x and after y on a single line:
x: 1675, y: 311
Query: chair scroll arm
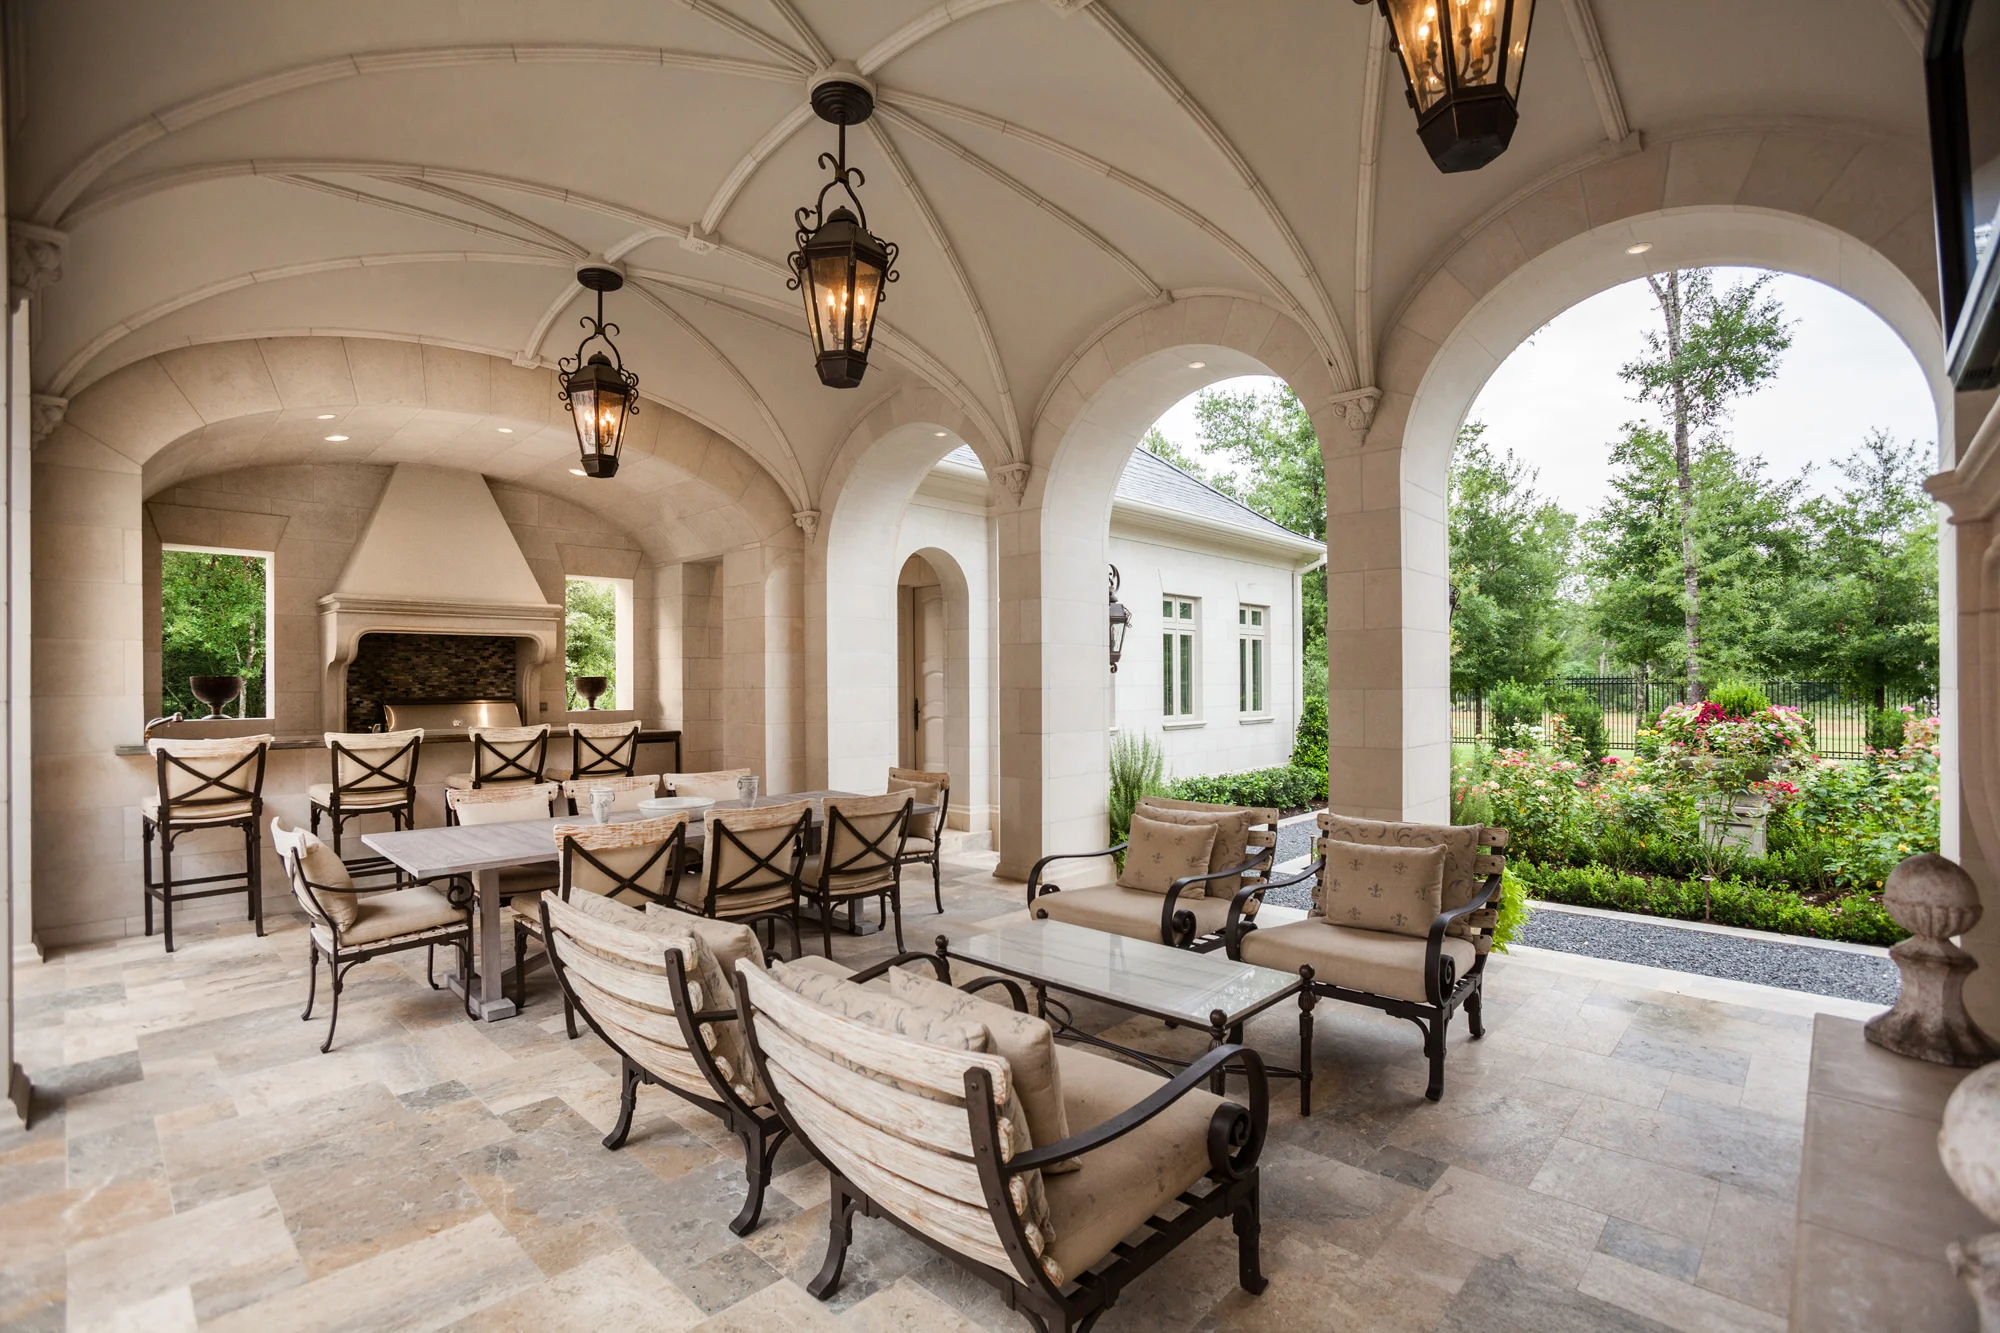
x: 1231, y: 1126
x: 1035, y: 889
x: 937, y: 965
x: 1015, y: 995
x: 1434, y: 988
x: 1240, y: 923
x: 1177, y: 928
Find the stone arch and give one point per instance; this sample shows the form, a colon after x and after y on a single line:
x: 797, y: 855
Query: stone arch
x: 1848, y: 209
x: 1053, y: 551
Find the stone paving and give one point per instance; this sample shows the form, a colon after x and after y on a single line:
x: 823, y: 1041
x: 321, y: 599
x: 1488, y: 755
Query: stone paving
x: 1620, y: 1152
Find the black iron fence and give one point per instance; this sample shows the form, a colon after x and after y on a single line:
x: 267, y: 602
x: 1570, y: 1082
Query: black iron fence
x: 1840, y: 721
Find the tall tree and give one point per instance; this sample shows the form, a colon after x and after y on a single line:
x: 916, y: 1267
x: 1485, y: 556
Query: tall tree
x: 1510, y: 555
x: 1712, y: 350
x: 211, y: 624
x: 1868, y: 616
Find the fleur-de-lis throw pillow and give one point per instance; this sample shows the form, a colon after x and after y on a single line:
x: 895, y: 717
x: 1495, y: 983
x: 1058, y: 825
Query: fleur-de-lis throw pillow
x: 1394, y: 889
x: 1157, y: 854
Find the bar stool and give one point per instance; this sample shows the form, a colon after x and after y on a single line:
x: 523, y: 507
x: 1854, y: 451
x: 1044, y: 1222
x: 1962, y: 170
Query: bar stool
x: 603, y: 749
x: 502, y: 757
x: 374, y: 773
x: 203, y: 784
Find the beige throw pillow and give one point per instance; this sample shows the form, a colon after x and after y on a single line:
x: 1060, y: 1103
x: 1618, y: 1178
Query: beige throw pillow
x: 332, y: 885
x: 1157, y: 853
x: 921, y: 793
x: 1232, y: 841
x: 1394, y: 889
x: 1026, y: 1042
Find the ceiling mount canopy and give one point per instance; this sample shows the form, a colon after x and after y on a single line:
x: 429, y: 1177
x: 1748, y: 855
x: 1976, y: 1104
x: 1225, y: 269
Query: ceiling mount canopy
x: 599, y: 393
x: 841, y: 267
x: 1462, y: 60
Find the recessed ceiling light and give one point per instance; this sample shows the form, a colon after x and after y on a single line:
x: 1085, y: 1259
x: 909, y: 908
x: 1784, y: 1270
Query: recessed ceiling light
x: 326, y: 416
x: 577, y: 472
x: 940, y: 433
x: 1639, y: 248
x: 335, y: 439
x: 1196, y: 365
x: 506, y: 430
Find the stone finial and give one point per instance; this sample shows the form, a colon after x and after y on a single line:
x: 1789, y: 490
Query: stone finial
x: 808, y: 521
x: 34, y: 258
x: 45, y: 413
x: 1014, y: 476
x: 1969, y: 1147
x: 1357, y: 409
x: 1932, y: 898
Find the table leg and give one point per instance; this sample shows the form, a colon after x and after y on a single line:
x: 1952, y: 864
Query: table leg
x: 489, y: 994
x: 1219, y: 1032
x: 1307, y: 999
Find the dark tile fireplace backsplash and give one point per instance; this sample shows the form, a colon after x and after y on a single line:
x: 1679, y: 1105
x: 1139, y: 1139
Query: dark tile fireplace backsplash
x: 426, y: 666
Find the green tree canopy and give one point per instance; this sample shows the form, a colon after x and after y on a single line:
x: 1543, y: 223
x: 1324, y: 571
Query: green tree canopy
x: 590, y: 634
x: 211, y: 624
x: 1510, y: 553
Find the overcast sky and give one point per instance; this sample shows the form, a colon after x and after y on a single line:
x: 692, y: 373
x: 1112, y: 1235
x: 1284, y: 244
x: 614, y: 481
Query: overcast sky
x: 1558, y: 403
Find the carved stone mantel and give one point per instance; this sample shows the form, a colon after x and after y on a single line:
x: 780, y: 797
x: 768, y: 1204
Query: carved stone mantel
x: 345, y: 617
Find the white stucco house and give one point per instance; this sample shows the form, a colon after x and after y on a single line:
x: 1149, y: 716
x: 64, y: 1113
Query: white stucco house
x: 1211, y: 659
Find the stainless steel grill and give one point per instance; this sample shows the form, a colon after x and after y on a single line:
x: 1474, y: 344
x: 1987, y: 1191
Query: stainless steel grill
x: 436, y: 715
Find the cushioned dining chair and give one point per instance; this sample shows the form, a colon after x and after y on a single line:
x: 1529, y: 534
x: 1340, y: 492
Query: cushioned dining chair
x: 920, y: 1120
x: 654, y: 986
x: 860, y: 857
x: 508, y: 805
x: 719, y: 785
x: 347, y: 929
x: 634, y: 863
x: 603, y: 749
x: 504, y: 757
x: 203, y: 784
x: 626, y: 791
x: 924, y: 840
x: 750, y: 867
x: 374, y: 773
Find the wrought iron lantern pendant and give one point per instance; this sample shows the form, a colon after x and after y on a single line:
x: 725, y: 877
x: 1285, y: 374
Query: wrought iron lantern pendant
x: 1121, y: 620
x: 1462, y: 63
x: 599, y: 393
x: 843, y: 269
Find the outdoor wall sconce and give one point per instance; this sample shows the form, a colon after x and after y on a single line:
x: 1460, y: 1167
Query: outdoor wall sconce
x: 599, y: 393
x: 1121, y: 620
x: 842, y: 268
x: 1462, y: 60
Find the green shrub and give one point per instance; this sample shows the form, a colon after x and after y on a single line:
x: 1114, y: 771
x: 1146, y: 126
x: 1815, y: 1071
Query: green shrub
x: 1513, y: 910
x: 1138, y: 768
x: 1516, y: 707
x: 1885, y: 728
x: 1309, y: 745
x: 1288, y: 788
x: 1585, y: 718
x: 1738, y: 698
x: 1857, y: 918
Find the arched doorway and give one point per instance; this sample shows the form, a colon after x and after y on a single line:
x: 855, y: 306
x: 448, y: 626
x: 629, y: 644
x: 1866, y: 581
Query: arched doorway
x: 920, y: 665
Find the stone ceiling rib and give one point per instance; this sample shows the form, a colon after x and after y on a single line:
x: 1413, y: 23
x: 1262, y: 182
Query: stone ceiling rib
x: 807, y: 37
x: 64, y: 380
x: 1597, y: 69
x: 1329, y: 336
x: 920, y: 27
x: 60, y: 199
x: 1054, y: 210
x: 1364, y: 199
x: 1010, y: 419
x: 353, y: 195
x: 732, y: 185
x: 749, y: 32
x: 549, y: 235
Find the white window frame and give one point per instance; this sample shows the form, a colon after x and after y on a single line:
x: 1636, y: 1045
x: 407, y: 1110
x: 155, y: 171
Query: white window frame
x: 270, y: 559
x: 1253, y: 662
x: 1180, y: 663
x: 621, y: 632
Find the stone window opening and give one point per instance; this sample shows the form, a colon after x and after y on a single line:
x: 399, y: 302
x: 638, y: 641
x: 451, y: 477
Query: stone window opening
x: 216, y: 612
x: 597, y: 638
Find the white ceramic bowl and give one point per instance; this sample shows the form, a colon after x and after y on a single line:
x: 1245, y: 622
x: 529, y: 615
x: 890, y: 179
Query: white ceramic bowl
x: 695, y: 806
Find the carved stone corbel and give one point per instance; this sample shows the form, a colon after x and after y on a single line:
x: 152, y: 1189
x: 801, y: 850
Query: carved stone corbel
x: 34, y: 258
x: 1013, y: 476
x: 45, y: 413
x: 1357, y: 408
x: 808, y: 521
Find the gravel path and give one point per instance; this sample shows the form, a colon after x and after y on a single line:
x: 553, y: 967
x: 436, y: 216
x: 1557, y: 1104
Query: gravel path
x: 1295, y: 840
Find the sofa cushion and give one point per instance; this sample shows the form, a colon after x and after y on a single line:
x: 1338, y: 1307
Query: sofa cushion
x: 321, y: 794
x: 1380, y: 888
x: 385, y: 916
x: 1027, y: 1042
x: 1461, y: 842
x: 1157, y: 853
x: 1232, y: 840
x: 1374, y: 961
x: 1131, y: 1178
x: 1133, y: 913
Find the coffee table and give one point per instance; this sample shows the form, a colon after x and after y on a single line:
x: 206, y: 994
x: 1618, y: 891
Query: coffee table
x: 1177, y: 986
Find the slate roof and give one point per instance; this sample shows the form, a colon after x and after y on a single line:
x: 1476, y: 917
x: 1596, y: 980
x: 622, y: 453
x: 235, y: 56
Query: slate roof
x: 1152, y: 480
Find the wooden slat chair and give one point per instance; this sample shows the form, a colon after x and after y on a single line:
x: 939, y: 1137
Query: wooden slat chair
x: 719, y: 785
x: 627, y: 790
x: 504, y: 757
x: 1194, y: 913
x: 861, y: 856
x: 203, y: 784
x: 603, y: 749
x: 926, y: 1132
x: 374, y: 773
x: 347, y: 930
x: 750, y: 871
x: 1424, y: 975
x: 655, y: 988
x: 635, y: 863
x: 922, y: 844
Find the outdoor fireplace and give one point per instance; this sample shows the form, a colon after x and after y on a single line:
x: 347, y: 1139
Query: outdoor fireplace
x: 429, y: 668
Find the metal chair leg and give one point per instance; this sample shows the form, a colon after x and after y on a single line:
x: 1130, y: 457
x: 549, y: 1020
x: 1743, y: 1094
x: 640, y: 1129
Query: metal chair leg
x: 167, y: 887
x: 937, y: 877
x: 254, y: 856
x: 146, y: 874
x: 312, y: 975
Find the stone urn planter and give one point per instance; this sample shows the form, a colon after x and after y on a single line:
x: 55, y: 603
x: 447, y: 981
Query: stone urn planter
x: 1969, y: 1147
x: 216, y: 691
x: 1739, y: 822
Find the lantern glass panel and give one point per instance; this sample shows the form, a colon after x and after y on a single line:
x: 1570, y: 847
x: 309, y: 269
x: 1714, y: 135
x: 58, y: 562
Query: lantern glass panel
x: 867, y: 292
x: 1517, y: 44
x: 1420, y: 36
x: 583, y: 406
x: 829, y: 282
x: 1476, y: 29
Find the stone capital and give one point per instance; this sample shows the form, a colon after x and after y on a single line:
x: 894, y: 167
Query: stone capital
x: 1013, y: 476
x: 1357, y: 408
x: 34, y: 258
x: 808, y: 521
x: 45, y: 413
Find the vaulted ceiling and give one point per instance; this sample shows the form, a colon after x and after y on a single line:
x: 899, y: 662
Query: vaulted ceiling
x: 239, y: 168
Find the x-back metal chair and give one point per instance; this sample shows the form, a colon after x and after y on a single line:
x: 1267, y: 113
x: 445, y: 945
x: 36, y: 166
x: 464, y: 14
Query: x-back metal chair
x: 860, y: 857
x: 923, y: 842
x: 751, y: 864
x: 203, y: 784
x: 603, y: 749
x: 503, y: 757
x: 374, y: 773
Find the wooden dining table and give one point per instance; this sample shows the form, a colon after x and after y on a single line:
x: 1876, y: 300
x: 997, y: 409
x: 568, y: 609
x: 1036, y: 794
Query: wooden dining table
x: 479, y: 852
